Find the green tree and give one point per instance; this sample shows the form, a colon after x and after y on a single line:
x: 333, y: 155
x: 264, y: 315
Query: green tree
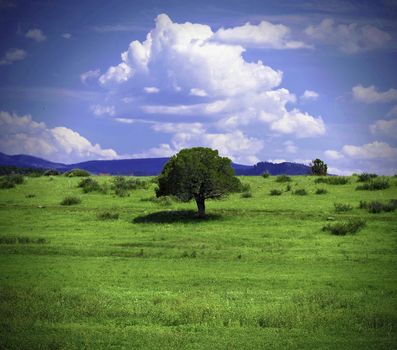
x: 197, y: 173
x: 318, y: 167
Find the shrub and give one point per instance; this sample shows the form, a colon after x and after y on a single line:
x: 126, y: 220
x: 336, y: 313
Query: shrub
x: 351, y: 226
x: 52, y: 172
x: 30, y: 195
x: 275, y: 192
x: 77, y: 173
x: 246, y: 194
x: 374, y: 185
x: 71, y: 200
x: 89, y: 185
x: 300, y: 192
x: 375, y: 207
x: 364, y: 177
x: 332, y: 180
x: 245, y: 187
x: 321, y: 191
x: 9, y: 181
x: 164, y: 200
x: 121, y: 186
x: 108, y: 215
x: 288, y: 188
x: 265, y: 175
x: 283, y: 178
x: 340, y: 207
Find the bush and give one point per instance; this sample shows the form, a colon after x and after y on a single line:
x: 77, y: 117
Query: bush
x: 164, y: 200
x: 374, y: 185
x: 89, y: 185
x: 121, y: 186
x: 71, y: 200
x: 108, y: 215
x: 340, y: 207
x: 364, y: 177
x: 283, y: 178
x: 77, y: 173
x: 375, y: 207
x: 52, y: 172
x: 275, y: 192
x: 246, y: 194
x: 265, y: 175
x: 30, y: 195
x: 321, y: 191
x: 332, y: 180
x: 9, y: 181
x: 300, y: 192
x: 288, y: 188
x: 245, y: 187
x: 351, y: 226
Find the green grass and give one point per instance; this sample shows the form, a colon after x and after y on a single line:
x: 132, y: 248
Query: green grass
x: 258, y: 273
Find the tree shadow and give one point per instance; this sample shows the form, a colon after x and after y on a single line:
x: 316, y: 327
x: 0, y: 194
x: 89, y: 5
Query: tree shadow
x: 174, y: 216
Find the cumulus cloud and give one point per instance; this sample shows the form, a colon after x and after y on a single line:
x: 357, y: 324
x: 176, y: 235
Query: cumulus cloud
x: 23, y: 135
x: 349, y: 38
x: 151, y: 90
x: 371, y: 94
x: 374, y: 150
x: 332, y: 154
x: 99, y: 110
x: 36, y: 35
x: 91, y: 74
x: 263, y: 35
x: 385, y: 128
x: 309, y: 95
x: 13, y: 55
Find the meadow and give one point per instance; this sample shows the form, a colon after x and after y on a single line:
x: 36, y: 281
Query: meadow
x: 260, y: 272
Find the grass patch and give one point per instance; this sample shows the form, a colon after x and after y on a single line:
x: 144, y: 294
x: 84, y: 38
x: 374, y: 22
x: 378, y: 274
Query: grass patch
x: 321, y: 191
x: 283, y: 178
x: 108, y: 215
x: 21, y: 240
x: 300, y: 192
x: 332, y: 180
x: 71, y: 200
x: 275, y: 192
x: 352, y: 226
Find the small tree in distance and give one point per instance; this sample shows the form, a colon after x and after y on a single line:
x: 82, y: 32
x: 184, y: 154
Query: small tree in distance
x: 197, y: 173
x: 318, y: 167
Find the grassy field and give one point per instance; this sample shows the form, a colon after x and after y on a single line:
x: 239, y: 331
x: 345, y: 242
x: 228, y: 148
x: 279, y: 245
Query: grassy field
x: 259, y: 273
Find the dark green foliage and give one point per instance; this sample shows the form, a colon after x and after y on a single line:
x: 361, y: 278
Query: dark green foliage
x: 265, y: 175
x: 122, y: 186
x: 275, y: 192
x: 374, y: 185
x: 321, y: 191
x: 375, y: 207
x: 11, y: 169
x: 77, y: 173
x: 332, y: 180
x: 89, y: 185
x: 340, y: 207
x: 246, y: 194
x: 364, y: 177
x: 283, y: 178
x: 351, y: 226
x: 30, y: 195
x: 9, y: 181
x: 21, y: 240
x: 164, y: 200
x: 52, y: 172
x: 288, y: 188
x: 300, y: 192
x: 245, y: 187
x: 318, y: 167
x: 71, y: 200
x: 197, y: 173
x: 108, y: 215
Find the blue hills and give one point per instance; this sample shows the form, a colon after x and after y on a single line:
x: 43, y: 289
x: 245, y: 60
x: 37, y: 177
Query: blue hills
x: 144, y: 166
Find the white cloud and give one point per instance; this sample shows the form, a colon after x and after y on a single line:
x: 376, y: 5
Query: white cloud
x: 151, y: 90
x: 91, y: 74
x: 22, y: 135
x: 332, y: 154
x: 290, y: 147
x: 99, y: 110
x: 263, y: 35
x: 385, y: 127
x: 276, y: 161
x: 66, y: 36
x: 309, y: 95
x: 198, y: 92
x: 371, y: 94
x: 374, y: 150
x: 13, y: 55
x: 349, y: 38
x: 36, y: 35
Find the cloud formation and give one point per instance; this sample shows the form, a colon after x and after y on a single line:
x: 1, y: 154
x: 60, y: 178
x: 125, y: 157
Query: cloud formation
x: 349, y: 38
x: 374, y: 150
x: 384, y: 128
x: 371, y: 94
x: 36, y: 35
x: 91, y: 74
x: 13, y: 55
x: 309, y: 95
x: 22, y: 135
x: 100, y: 111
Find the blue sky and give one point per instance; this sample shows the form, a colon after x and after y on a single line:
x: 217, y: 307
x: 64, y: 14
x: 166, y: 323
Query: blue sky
x: 257, y: 80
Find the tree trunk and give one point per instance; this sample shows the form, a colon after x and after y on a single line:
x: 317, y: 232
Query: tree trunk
x: 200, y: 207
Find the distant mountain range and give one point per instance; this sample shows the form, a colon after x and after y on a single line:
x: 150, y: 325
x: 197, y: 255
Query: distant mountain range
x: 144, y: 166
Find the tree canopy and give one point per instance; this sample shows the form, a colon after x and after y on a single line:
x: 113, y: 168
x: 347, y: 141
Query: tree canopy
x: 197, y: 173
x: 318, y: 167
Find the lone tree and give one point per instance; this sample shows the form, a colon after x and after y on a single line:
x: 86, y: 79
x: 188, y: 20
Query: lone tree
x: 197, y: 173
x: 318, y: 167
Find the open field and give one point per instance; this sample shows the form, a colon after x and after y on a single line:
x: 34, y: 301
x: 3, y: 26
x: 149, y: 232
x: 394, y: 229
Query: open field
x: 259, y: 273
